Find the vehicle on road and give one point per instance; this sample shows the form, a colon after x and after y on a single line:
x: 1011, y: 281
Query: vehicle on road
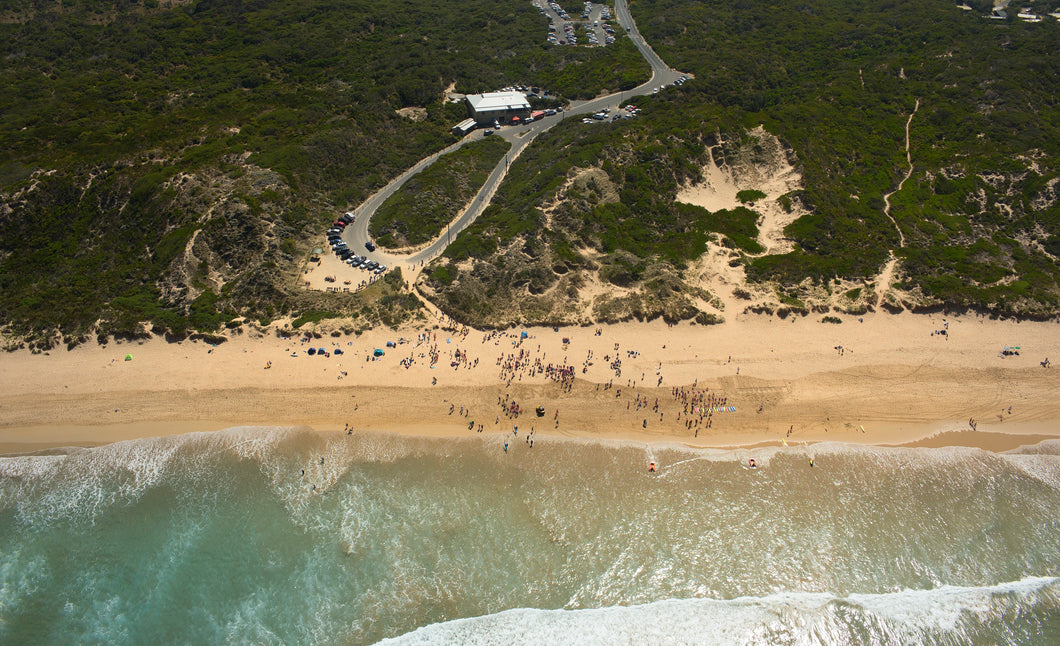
x: 369, y: 246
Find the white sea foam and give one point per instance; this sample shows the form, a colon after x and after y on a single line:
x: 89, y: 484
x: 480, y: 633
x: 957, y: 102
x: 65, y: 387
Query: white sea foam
x: 912, y: 616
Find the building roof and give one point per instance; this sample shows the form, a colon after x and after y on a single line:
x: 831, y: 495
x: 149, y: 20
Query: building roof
x: 498, y: 101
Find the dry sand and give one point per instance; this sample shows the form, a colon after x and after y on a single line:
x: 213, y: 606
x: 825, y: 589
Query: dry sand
x: 895, y: 382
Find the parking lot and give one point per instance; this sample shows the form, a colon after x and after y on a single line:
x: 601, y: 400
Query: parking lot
x: 340, y: 267
x: 591, y: 27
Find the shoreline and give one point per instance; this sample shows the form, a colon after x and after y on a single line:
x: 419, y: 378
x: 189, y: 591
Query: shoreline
x: 879, y: 379
x: 21, y: 442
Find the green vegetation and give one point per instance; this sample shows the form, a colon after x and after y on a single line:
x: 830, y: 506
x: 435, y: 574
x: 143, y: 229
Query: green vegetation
x: 128, y: 127
x: 836, y: 82
x: 171, y: 163
x: 750, y: 196
x: 739, y: 225
x: 420, y: 209
x: 606, y: 190
x: 313, y: 316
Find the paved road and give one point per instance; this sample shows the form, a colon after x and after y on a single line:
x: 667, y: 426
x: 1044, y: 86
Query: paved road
x: 356, y: 234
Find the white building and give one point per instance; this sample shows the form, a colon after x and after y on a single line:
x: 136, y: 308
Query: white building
x: 464, y: 127
x: 505, y: 107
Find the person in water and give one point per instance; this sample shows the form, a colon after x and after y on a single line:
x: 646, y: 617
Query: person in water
x: 751, y: 463
x: 651, y: 467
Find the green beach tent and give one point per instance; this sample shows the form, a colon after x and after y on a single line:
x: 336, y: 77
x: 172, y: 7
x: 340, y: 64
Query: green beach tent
x: 128, y: 357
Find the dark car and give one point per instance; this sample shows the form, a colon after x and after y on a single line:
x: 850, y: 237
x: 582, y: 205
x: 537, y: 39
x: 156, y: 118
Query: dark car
x: 369, y: 246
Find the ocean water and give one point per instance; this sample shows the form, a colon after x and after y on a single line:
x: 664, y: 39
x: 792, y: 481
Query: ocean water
x: 219, y: 538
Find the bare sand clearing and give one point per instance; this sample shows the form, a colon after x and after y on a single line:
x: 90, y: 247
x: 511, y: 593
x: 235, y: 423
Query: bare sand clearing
x: 893, y: 382
x: 772, y: 173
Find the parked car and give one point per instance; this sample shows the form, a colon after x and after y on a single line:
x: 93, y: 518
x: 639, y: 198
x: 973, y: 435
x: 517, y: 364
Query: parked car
x: 369, y: 246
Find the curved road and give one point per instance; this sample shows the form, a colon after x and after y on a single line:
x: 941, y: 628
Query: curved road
x: 356, y: 234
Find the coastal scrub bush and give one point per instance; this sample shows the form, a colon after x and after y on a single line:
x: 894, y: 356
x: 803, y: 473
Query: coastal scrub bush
x: 313, y: 316
x: 419, y: 211
x: 750, y: 195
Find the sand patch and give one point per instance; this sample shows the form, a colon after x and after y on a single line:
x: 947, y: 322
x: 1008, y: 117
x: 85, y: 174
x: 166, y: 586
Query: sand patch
x: 762, y: 163
x: 413, y: 113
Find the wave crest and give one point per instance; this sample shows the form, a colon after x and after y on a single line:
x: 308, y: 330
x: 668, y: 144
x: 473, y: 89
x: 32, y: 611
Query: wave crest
x: 1020, y: 612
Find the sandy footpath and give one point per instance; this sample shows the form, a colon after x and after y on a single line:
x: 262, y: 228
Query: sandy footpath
x: 893, y: 381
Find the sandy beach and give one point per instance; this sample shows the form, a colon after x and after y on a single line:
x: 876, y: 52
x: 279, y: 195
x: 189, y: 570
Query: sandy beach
x: 880, y: 379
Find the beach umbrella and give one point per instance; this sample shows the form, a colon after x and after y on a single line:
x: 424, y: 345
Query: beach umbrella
x: 128, y: 357
x: 378, y: 352
x: 311, y: 351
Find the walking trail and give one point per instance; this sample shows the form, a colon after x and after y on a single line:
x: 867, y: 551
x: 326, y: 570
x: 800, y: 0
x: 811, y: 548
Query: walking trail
x: 884, y: 281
